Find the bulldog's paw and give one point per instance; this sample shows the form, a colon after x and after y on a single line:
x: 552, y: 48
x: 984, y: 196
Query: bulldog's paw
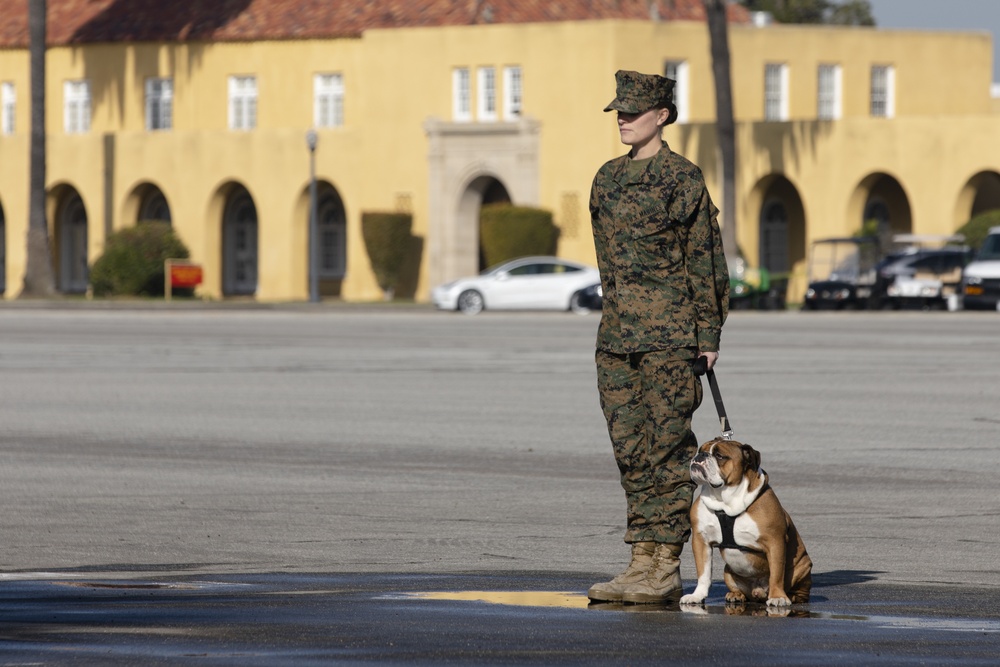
x: 735, y: 597
x: 779, y: 602
x: 693, y: 598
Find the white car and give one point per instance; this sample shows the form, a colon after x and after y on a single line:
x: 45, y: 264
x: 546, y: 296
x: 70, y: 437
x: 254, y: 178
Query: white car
x: 529, y: 283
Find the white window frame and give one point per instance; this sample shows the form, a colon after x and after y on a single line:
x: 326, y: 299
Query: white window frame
x: 679, y: 71
x: 76, y: 106
x: 242, y: 102
x: 486, y: 94
x: 829, y: 92
x: 159, y: 104
x: 328, y: 100
x: 882, y: 93
x: 461, y: 95
x: 8, y: 105
x: 513, y: 87
x: 775, y: 92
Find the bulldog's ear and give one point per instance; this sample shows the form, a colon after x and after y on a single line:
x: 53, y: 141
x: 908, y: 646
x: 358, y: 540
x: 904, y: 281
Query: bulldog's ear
x: 751, y: 457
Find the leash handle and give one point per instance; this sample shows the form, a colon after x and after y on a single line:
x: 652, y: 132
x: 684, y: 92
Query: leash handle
x: 700, y: 367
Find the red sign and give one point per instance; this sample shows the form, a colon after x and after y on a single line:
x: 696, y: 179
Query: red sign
x: 185, y: 275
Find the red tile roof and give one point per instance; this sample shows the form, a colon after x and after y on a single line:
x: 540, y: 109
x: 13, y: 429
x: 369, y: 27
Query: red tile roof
x: 87, y: 21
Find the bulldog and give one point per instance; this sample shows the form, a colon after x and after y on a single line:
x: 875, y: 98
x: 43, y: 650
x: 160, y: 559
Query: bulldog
x: 737, y: 511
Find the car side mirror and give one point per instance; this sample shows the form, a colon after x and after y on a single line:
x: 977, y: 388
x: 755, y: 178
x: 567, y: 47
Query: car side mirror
x: 503, y: 275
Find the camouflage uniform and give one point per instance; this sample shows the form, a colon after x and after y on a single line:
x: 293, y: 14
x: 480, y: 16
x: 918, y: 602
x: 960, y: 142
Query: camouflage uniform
x: 666, y: 293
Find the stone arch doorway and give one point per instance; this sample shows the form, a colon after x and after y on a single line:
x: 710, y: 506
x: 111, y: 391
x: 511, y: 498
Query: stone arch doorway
x: 468, y: 164
x: 239, y: 244
x: 980, y: 194
x: 482, y: 191
x: 70, y: 241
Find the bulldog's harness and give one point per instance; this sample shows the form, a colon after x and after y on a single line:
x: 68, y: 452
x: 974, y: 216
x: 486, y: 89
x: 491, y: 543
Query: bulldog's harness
x: 727, y: 522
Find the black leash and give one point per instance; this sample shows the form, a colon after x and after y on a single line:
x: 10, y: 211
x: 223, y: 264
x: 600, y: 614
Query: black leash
x: 701, y: 368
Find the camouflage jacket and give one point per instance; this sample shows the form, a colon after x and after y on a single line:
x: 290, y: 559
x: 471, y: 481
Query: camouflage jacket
x: 659, y: 249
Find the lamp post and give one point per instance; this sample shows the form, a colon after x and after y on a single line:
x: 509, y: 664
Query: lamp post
x: 311, y: 141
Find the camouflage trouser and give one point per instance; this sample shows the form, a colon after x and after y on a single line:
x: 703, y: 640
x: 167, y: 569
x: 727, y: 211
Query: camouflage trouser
x: 648, y: 399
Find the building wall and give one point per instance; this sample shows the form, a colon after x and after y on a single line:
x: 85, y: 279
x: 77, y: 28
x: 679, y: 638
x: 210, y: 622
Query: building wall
x: 399, y: 92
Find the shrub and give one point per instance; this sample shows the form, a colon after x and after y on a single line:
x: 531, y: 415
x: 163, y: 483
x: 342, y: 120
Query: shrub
x: 387, y: 239
x: 975, y: 230
x: 132, y: 262
x: 507, y: 232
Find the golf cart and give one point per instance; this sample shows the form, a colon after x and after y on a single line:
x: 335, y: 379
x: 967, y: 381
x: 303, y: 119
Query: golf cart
x: 841, y: 273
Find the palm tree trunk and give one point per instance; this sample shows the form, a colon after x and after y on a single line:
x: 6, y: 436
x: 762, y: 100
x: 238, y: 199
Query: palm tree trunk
x: 39, y: 280
x: 718, y: 31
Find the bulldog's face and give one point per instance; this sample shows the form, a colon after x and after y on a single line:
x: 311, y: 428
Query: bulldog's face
x: 721, y: 463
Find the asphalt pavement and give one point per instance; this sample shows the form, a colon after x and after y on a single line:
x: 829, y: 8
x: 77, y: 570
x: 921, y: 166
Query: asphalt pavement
x: 336, y: 485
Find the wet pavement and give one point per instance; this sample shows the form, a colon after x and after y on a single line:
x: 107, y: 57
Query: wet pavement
x: 495, y: 619
x: 325, y: 486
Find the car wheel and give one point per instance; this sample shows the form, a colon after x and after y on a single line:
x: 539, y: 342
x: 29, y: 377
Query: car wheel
x: 470, y: 302
x: 576, y: 304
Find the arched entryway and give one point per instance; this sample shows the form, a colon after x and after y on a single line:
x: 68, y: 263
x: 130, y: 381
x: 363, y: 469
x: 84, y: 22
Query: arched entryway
x: 880, y: 205
x: 153, y: 206
x: 239, y: 244
x: 781, y: 236
x: 331, y: 221
x: 980, y: 194
x: 72, y: 269
x: 3, y: 251
x: 481, y: 191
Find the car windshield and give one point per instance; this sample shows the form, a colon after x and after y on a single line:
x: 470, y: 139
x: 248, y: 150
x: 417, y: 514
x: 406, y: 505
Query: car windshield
x: 991, y: 248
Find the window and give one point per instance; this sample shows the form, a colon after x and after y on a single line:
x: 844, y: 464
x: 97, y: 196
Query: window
x: 76, y: 116
x: 159, y: 104
x: 7, y: 106
x: 461, y: 95
x: 678, y: 71
x: 828, y: 104
x: 511, y: 93
x: 487, y: 89
x: 883, y: 97
x: 328, y: 95
x: 242, y: 102
x: 776, y: 92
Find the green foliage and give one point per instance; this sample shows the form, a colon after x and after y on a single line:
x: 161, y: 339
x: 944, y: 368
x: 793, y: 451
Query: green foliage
x: 868, y: 228
x: 132, y: 262
x: 507, y: 232
x: 975, y: 230
x: 387, y: 239
x: 846, y: 12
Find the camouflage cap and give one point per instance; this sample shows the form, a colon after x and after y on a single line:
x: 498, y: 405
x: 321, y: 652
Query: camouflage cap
x: 639, y: 92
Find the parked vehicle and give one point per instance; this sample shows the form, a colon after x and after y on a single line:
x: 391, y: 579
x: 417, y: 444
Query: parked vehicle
x: 841, y: 273
x: 981, y: 277
x: 920, y: 277
x: 528, y: 283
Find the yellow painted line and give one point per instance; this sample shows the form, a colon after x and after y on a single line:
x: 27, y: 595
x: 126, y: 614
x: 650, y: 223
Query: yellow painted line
x: 515, y: 598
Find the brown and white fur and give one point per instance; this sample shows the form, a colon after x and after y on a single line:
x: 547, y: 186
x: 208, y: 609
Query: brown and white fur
x: 774, y: 567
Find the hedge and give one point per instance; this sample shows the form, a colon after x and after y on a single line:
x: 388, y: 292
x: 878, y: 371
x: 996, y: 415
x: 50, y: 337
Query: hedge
x: 507, y: 232
x: 975, y: 230
x: 387, y: 239
x: 132, y: 262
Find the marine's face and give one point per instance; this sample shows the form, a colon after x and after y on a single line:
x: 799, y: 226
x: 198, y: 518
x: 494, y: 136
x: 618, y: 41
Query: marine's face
x: 638, y: 129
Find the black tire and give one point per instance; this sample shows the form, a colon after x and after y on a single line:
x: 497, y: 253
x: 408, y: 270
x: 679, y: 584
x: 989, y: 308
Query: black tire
x: 470, y: 302
x: 576, y: 305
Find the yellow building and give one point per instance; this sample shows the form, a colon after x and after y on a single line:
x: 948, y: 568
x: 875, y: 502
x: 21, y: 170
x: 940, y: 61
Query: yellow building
x: 202, y: 120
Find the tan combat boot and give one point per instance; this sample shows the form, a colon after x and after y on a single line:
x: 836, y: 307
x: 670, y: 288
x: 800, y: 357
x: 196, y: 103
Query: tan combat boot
x: 611, y: 591
x: 663, y: 581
